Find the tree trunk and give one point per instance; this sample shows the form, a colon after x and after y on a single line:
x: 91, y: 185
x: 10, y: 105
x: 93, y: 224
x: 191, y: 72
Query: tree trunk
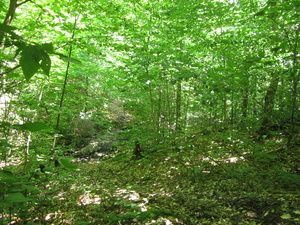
x: 9, y: 16
x: 66, y: 78
x: 268, y: 107
x: 295, y: 81
x: 178, y: 108
x: 245, y: 100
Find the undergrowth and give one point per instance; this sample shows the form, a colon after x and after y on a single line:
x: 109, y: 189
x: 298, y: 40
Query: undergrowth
x: 225, y: 181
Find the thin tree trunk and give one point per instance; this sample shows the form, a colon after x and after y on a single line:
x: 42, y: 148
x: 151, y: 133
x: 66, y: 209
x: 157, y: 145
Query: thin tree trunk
x: 9, y: 17
x: 224, y: 116
x: 66, y: 78
x: 245, y: 100
x: 295, y: 81
x: 268, y: 107
x: 178, y: 108
x: 168, y: 113
x: 86, y: 108
x: 13, y: 5
x: 151, y: 98
x: 233, y: 109
x: 185, y: 116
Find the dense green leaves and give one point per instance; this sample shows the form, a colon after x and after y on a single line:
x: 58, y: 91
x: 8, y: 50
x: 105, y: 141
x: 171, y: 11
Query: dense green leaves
x: 6, y: 174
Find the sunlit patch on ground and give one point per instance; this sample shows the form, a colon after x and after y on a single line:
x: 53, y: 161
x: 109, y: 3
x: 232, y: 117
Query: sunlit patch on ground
x: 89, y: 198
x: 14, y: 162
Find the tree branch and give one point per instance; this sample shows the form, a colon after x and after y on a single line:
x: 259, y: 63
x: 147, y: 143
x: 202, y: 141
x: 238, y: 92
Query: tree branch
x: 12, y: 69
x: 23, y: 3
x: 9, y: 16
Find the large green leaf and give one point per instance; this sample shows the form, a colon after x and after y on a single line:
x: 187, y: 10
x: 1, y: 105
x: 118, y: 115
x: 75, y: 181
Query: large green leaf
x: 29, y: 61
x: 36, y: 126
x: 33, y: 58
x: 68, y: 59
x: 16, y: 197
x: 6, y: 174
x: 6, y: 28
x: 286, y: 216
x: 48, y: 47
x: 66, y: 163
x: 5, y: 124
x: 4, y: 142
x: 9, y: 30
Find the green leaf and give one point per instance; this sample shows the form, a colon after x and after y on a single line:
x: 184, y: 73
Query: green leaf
x: 66, y: 163
x: 275, y: 49
x: 23, y: 214
x: 4, y: 143
x: 7, y: 42
x: 6, y: 174
x: 31, y: 189
x: 5, y: 124
x: 16, y: 197
x: 286, y: 216
x: 29, y: 61
x: 33, y: 127
x: 297, y: 212
x: 7, y: 28
x: 68, y: 59
x: 260, y: 13
x: 33, y: 58
x: 46, y: 63
x: 252, y: 59
x: 48, y: 47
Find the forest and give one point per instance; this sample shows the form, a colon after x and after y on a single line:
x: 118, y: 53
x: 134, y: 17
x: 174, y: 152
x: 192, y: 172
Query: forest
x: 167, y: 112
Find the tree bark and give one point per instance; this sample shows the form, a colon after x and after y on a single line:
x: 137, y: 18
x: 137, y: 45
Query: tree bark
x: 9, y: 17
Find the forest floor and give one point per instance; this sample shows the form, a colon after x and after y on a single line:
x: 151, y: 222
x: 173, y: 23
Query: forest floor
x: 217, y: 179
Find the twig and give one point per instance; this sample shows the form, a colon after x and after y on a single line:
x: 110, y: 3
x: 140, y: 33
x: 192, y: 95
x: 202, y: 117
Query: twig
x: 12, y: 69
x: 23, y: 3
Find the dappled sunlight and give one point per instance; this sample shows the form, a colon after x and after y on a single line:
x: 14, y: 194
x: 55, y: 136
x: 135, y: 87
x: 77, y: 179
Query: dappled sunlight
x: 11, y: 162
x: 88, y: 198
